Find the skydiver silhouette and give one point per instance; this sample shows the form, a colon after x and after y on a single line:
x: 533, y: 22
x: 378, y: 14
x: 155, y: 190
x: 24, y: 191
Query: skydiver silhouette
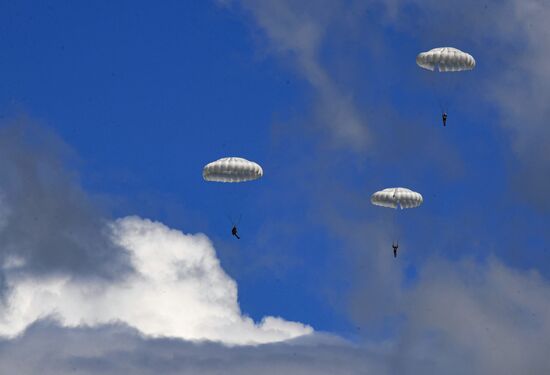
x: 234, y: 232
x: 444, y: 118
x: 395, y: 247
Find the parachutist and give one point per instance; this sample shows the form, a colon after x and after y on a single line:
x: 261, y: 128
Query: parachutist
x: 395, y: 247
x: 444, y: 118
x: 234, y: 232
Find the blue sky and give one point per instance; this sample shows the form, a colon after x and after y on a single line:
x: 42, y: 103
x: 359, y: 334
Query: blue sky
x: 146, y: 94
x: 144, y: 116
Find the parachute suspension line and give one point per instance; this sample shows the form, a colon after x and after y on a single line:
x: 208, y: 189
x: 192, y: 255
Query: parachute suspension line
x: 232, y: 221
x: 230, y: 218
x: 436, y: 93
x: 395, y: 229
x: 397, y: 224
x: 443, y: 98
x: 452, y: 85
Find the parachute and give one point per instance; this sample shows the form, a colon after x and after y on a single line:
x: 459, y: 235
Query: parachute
x: 393, y: 198
x: 443, y: 60
x: 397, y: 197
x: 232, y: 169
x: 446, y: 59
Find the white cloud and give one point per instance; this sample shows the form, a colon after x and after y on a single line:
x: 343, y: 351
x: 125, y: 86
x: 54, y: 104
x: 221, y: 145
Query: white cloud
x: 296, y: 30
x: 495, y: 316
x: 178, y: 290
x: 462, y: 317
x: 116, y: 350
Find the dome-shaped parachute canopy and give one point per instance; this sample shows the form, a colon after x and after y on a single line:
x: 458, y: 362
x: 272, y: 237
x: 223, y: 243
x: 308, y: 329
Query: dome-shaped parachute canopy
x: 398, y: 196
x: 446, y: 59
x: 232, y: 169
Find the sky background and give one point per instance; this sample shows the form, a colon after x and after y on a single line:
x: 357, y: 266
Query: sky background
x: 110, y: 110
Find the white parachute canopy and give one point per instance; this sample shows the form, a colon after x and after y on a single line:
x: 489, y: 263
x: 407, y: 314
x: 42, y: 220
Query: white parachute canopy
x: 232, y: 169
x: 446, y: 59
x: 398, y: 196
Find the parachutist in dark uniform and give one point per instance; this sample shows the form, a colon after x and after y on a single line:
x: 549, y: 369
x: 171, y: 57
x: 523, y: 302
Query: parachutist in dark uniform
x: 234, y: 232
x: 444, y: 118
x: 395, y: 247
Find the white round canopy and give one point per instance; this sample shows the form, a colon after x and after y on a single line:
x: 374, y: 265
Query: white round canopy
x: 398, y: 196
x: 232, y: 169
x: 446, y: 59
